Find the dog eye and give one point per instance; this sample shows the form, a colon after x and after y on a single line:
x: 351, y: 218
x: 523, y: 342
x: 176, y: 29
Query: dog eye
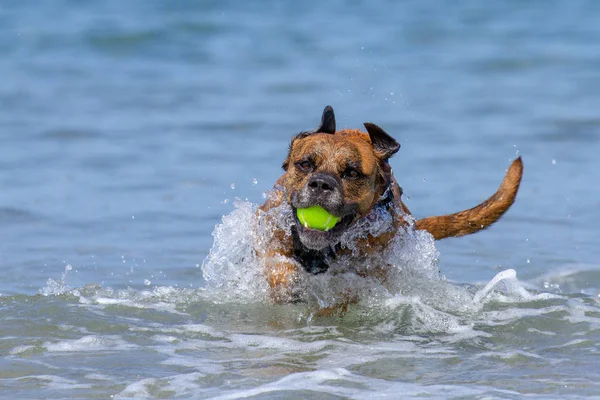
x: 351, y: 173
x: 304, y: 166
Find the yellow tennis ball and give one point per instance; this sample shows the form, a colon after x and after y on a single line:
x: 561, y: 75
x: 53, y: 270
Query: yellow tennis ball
x: 316, y: 217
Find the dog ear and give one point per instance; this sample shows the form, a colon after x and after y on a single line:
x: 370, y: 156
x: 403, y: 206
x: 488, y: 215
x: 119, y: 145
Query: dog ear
x: 327, y: 122
x: 383, y: 144
x: 327, y: 126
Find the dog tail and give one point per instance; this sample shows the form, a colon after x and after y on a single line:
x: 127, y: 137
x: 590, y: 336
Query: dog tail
x: 481, y: 216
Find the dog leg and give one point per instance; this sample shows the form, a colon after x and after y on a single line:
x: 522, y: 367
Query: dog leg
x: 280, y: 270
x: 340, y: 308
x: 281, y: 274
x: 481, y: 216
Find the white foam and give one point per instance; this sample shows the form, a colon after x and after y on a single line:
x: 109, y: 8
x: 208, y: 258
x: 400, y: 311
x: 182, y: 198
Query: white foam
x: 547, y: 333
x: 23, y: 350
x: 343, y: 383
x: 510, y: 315
x: 584, y: 313
x: 139, y: 389
x: 134, y: 303
x: 171, y: 386
x: 270, y: 352
x: 99, y: 377
x: 508, y: 355
x: 55, y: 382
x: 89, y: 343
x: 580, y: 343
x: 183, y: 329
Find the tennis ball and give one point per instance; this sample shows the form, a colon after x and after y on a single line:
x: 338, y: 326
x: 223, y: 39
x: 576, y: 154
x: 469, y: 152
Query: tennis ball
x: 316, y: 217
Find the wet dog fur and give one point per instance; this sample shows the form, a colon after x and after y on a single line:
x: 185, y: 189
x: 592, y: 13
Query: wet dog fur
x: 347, y: 173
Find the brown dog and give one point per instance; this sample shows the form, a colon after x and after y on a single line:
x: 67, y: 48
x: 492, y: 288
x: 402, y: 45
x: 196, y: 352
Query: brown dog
x: 348, y: 174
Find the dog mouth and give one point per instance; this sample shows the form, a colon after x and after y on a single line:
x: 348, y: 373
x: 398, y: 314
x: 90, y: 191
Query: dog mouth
x: 316, y: 239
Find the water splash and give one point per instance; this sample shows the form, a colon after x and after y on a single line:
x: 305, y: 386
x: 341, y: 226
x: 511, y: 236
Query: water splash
x: 231, y: 268
x: 57, y: 287
x: 414, y: 290
x: 414, y: 299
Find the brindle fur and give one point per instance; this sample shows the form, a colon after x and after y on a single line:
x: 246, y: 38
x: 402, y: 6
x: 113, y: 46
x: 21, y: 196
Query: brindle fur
x: 332, y: 152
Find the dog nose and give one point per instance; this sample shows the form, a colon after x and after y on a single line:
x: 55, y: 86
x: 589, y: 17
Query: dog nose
x: 322, y: 183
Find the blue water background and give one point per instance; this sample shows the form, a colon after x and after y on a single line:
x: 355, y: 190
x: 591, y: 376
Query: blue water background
x: 126, y: 128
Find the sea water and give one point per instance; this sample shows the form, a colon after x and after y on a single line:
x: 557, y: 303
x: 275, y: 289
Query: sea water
x: 421, y: 335
x: 128, y: 130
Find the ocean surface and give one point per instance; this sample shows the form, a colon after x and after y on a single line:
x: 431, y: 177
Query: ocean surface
x: 137, y: 139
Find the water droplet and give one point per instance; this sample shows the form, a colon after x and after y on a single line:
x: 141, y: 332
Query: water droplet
x: 254, y: 182
x: 69, y: 267
x: 232, y: 186
x: 528, y: 260
x: 147, y: 282
x: 553, y: 162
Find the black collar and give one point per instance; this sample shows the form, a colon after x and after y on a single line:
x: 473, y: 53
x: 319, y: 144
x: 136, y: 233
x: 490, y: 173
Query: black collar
x: 313, y: 261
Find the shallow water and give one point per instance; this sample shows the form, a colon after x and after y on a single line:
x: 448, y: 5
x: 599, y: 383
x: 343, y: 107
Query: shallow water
x: 127, y: 131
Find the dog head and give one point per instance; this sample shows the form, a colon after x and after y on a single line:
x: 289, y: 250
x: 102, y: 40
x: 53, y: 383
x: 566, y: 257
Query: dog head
x: 345, y: 172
